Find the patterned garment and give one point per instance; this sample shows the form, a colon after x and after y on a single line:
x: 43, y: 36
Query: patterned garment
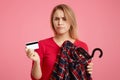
x: 71, y: 64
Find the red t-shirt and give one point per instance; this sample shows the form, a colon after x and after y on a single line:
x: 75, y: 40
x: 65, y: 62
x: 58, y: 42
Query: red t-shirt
x: 48, y: 51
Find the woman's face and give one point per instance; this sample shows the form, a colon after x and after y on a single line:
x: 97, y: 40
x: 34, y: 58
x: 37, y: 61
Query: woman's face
x: 61, y: 24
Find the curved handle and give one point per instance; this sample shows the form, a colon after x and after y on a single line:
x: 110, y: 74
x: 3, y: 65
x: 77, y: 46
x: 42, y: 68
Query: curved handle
x: 97, y: 49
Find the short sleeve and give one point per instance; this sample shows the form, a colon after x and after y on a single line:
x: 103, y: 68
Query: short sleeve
x: 40, y: 51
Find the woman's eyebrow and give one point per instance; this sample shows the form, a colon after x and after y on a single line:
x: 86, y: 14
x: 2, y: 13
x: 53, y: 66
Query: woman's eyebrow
x: 59, y: 17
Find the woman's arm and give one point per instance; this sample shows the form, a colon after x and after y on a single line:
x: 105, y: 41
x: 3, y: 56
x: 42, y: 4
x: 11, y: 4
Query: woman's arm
x: 36, y: 69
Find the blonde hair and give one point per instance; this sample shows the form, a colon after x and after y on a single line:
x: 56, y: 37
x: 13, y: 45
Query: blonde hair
x: 69, y: 14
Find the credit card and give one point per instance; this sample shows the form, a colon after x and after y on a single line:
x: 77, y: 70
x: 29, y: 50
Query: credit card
x: 32, y: 45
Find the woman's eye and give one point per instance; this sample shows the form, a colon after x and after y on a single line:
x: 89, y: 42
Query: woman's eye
x: 64, y: 18
x: 56, y: 18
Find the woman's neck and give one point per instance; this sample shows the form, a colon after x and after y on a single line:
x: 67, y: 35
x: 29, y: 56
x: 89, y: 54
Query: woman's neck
x: 62, y: 37
x: 59, y: 39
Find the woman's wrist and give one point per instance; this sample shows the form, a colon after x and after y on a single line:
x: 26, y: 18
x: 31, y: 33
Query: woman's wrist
x: 37, y: 62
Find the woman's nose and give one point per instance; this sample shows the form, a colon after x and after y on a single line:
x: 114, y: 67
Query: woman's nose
x: 60, y: 22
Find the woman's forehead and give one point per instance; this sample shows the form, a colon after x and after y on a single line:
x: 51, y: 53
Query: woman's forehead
x: 59, y: 13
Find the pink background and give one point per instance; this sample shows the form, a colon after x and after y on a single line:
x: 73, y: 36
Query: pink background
x: 22, y: 21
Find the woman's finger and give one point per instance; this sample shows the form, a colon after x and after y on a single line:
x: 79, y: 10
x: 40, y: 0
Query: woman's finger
x: 89, y: 71
x: 90, y: 65
x: 30, y: 52
x: 90, y: 68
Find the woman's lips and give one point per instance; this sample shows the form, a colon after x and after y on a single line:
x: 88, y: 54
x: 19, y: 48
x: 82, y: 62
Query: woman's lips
x: 59, y: 27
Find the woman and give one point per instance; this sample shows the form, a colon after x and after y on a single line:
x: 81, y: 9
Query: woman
x: 64, y: 26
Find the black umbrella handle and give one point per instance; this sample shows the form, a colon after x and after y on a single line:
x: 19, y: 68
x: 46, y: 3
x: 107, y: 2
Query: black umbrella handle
x: 97, y: 49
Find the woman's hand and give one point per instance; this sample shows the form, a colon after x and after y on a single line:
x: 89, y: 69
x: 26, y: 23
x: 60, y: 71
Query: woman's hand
x: 90, y: 68
x: 31, y: 54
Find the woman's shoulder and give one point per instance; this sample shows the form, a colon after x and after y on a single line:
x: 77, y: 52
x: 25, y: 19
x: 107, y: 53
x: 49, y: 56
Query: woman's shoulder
x: 82, y: 44
x: 45, y: 41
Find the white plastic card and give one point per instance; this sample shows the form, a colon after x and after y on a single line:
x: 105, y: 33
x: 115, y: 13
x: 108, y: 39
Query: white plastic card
x: 32, y: 45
